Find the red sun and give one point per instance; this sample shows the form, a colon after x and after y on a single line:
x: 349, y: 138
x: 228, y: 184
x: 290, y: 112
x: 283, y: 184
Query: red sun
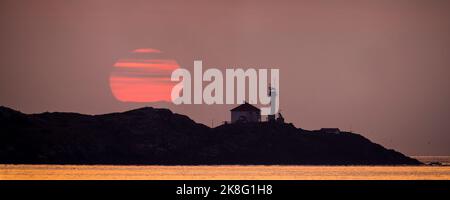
x: 143, y: 76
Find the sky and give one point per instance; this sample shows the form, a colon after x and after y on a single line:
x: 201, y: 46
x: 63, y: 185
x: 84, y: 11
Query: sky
x: 378, y: 68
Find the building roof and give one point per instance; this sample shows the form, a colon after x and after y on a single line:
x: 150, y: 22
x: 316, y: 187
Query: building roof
x: 330, y: 130
x: 246, y: 107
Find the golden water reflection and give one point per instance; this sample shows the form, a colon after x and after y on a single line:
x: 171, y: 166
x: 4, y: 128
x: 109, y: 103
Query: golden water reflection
x: 113, y: 172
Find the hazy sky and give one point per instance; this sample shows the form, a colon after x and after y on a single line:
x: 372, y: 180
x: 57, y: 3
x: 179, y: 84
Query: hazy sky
x: 379, y: 68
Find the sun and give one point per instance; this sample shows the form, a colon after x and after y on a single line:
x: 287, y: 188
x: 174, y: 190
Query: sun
x: 143, y: 76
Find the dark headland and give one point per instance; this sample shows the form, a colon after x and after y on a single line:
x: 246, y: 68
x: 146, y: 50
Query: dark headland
x: 159, y: 137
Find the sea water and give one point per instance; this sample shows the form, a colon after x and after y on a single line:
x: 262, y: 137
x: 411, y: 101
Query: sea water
x: 228, y: 172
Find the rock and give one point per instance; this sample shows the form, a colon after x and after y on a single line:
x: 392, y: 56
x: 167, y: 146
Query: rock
x: 154, y: 136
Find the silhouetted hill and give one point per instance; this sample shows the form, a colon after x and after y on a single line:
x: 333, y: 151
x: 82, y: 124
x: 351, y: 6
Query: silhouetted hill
x: 160, y: 137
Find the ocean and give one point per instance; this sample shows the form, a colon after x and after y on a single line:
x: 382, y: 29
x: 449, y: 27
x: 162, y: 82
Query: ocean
x: 228, y: 172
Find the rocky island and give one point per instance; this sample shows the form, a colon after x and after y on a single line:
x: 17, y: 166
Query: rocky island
x: 151, y: 136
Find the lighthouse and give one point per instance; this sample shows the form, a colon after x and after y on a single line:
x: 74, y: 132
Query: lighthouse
x: 272, y: 92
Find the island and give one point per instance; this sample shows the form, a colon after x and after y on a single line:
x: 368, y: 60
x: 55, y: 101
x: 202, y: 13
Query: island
x: 153, y: 136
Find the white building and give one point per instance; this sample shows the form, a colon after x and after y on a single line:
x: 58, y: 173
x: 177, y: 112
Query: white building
x: 245, y: 113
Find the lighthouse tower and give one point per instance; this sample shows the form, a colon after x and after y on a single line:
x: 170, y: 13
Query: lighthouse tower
x: 272, y: 93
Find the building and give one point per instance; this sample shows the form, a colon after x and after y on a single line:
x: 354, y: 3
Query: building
x: 280, y: 118
x: 330, y: 130
x: 245, y: 113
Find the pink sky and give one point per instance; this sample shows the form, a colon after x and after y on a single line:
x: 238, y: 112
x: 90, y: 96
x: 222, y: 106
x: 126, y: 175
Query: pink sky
x: 379, y: 68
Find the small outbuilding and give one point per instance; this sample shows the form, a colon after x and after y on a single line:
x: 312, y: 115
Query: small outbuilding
x: 330, y: 130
